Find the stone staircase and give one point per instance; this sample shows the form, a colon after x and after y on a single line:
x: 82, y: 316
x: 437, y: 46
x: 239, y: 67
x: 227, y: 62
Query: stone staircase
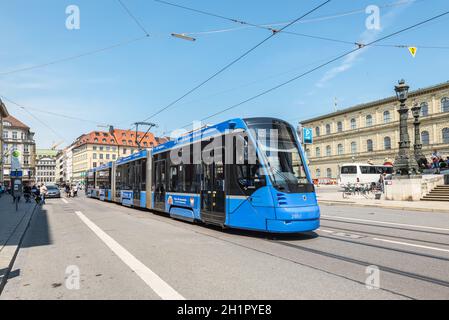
x: 440, y: 193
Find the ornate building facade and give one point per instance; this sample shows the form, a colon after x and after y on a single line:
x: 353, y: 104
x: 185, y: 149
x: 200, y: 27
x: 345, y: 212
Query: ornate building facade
x: 18, y: 136
x: 370, y: 132
x: 97, y: 148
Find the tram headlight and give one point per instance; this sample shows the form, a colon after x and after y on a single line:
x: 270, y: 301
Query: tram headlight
x: 192, y: 202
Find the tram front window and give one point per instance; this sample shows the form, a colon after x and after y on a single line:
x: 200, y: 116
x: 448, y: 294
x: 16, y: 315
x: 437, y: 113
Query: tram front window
x: 277, y: 142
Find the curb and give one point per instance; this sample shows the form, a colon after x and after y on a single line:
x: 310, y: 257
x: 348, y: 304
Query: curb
x: 355, y: 204
x: 8, y: 254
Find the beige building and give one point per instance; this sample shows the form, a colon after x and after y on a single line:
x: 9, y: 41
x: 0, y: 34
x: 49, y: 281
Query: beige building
x: 3, y: 114
x: 97, y: 148
x: 371, y: 131
x: 46, y: 166
x: 17, y: 136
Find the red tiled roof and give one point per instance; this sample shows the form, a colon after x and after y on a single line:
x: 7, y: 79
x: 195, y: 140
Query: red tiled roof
x: 15, y: 122
x: 125, y: 138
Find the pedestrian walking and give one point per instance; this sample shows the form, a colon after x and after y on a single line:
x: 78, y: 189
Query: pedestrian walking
x: 43, y: 191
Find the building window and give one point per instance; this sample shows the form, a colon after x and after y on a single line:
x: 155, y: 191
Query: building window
x: 125, y: 151
x: 114, y: 157
x: 318, y: 173
x: 445, y: 105
x: 14, y: 135
x: 369, y: 145
x: 328, y: 129
x: 308, y: 153
x: 425, y: 138
x: 329, y: 172
x: 353, y: 147
x: 318, y: 152
x: 424, y: 109
x: 445, y: 133
x: 26, y: 148
x: 340, y: 149
x: 108, y: 156
x: 94, y: 156
x: 369, y: 120
x: 317, y: 131
x: 387, y: 143
x: 339, y: 126
x: 95, y: 140
x: 353, y: 124
x: 387, y: 116
x: 328, y: 151
x: 95, y: 164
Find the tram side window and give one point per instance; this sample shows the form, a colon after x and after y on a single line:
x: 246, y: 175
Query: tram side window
x: 174, y: 179
x: 245, y: 177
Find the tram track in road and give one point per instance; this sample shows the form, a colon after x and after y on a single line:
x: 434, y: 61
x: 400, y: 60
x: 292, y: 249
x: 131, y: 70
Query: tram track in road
x: 374, y: 225
x: 363, y: 263
x: 363, y: 232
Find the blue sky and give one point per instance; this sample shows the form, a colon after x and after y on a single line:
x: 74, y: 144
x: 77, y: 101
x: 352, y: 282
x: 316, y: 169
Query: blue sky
x: 131, y: 82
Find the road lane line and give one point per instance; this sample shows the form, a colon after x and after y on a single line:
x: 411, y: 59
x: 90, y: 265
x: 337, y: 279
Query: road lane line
x: 159, y: 286
x: 388, y: 223
x: 64, y: 200
x: 411, y: 245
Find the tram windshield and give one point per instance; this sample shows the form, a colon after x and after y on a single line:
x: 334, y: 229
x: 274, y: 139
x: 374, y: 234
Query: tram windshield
x: 277, y: 142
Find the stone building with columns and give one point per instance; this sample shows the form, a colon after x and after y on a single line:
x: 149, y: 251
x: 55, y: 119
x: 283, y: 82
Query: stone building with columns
x: 370, y: 132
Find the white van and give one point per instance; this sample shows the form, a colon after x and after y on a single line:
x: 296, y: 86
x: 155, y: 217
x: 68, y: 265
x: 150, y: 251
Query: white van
x: 362, y: 173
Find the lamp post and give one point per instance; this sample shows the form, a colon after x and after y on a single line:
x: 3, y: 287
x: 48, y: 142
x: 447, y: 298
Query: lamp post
x: 416, y: 111
x: 405, y: 163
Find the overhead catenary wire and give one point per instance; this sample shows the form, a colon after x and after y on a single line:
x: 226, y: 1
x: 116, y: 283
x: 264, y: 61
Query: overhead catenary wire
x: 319, y: 67
x: 60, y: 115
x: 276, y: 24
x: 35, y: 117
x: 270, y: 27
x: 133, y: 17
x: 234, y: 61
x: 74, y: 57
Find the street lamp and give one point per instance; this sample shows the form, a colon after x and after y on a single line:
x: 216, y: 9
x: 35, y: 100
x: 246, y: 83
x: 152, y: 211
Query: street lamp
x: 183, y: 36
x: 419, y: 156
x: 405, y: 164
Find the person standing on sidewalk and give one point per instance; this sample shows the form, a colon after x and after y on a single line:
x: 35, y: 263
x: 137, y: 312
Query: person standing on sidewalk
x: 44, y: 191
x: 382, y: 182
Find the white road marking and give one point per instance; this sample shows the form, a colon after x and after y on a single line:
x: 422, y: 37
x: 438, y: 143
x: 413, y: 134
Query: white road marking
x: 327, y: 231
x: 387, y: 223
x: 411, y: 245
x: 159, y: 286
x: 64, y: 200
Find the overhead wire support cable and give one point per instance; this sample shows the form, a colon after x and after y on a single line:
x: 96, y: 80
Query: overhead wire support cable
x: 133, y: 17
x: 88, y: 53
x: 235, y: 60
x: 322, y: 66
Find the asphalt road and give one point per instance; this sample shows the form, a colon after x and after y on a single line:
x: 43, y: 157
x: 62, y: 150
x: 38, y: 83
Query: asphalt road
x: 122, y: 253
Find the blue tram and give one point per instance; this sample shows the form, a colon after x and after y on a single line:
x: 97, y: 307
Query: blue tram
x: 236, y: 174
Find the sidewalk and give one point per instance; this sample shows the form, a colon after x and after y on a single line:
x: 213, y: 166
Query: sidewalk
x: 12, y: 229
x: 333, y: 195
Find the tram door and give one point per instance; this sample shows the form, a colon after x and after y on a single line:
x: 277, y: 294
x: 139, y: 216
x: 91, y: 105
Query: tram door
x: 213, y: 196
x: 160, y: 185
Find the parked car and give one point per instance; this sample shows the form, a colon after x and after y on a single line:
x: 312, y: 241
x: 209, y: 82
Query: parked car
x: 53, y: 192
